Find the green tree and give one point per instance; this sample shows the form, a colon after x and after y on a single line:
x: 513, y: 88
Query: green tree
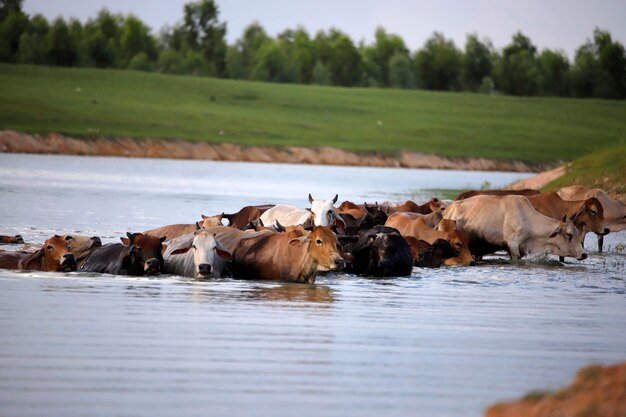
x: 203, y: 32
x: 253, y: 38
x: 518, y: 72
x: 477, y: 63
x: 270, y: 63
x: 342, y: 59
x: 62, y: 49
x: 136, y: 38
x: 102, y: 38
x: 400, y: 72
x: 14, y: 24
x: 438, y: 64
x: 9, y: 6
x: 33, y: 46
x: 378, y: 56
x: 321, y: 75
x: 554, y: 67
x: 304, y: 55
x: 170, y: 62
x: 140, y: 62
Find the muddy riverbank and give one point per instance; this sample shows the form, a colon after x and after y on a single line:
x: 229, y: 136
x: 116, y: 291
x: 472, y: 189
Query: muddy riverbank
x: 53, y: 143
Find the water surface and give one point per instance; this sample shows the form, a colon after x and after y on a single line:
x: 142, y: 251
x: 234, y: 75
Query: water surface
x: 444, y: 342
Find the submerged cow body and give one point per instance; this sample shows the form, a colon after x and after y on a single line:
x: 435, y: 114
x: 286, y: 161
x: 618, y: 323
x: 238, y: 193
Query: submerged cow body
x: 381, y: 252
x: 54, y: 255
x: 196, y: 255
x: 296, y: 255
x: 17, y: 239
x: 511, y: 223
x: 139, y: 255
x: 472, y: 193
x: 415, y: 226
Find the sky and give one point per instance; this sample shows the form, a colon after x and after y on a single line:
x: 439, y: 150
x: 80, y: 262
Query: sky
x: 553, y: 24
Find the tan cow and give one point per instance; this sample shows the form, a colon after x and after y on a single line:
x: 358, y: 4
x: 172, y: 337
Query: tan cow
x: 409, y: 225
x: 511, y: 223
x: 53, y: 256
x: 172, y: 231
x: 296, y: 255
x: 434, y: 204
x: 614, y: 211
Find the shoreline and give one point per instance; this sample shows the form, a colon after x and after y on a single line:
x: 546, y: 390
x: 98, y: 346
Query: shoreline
x: 54, y: 143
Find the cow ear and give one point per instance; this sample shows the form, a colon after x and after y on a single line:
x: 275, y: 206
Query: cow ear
x: 163, y: 249
x: 125, y: 240
x: 163, y: 239
x: 224, y: 254
x: 180, y: 251
x: 555, y: 233
x: 34, y: 260
x: 336, y: 198
x: 298, y: 241
x: 310, y: 199
x: 204, y: 217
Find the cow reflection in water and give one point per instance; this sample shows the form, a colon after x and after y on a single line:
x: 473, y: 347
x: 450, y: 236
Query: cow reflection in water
x: 296, y: 293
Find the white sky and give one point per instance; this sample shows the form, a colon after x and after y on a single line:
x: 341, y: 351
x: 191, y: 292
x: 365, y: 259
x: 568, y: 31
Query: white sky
x: 554, y: 24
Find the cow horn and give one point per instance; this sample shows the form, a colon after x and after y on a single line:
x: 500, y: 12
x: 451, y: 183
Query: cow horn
x: 279, y: 227
x: 310, y: 199
x: 198, y: 227
x: 336, y: 198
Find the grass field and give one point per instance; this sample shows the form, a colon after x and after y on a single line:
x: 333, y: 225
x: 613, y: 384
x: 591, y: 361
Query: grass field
x: 113, y: 103
x: 605, y: 168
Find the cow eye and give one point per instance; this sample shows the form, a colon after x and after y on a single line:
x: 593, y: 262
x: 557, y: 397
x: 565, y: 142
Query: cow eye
x: 68, y: 237
x: 569, y: 237
x: 459, y: 244
x: 593, y: 212
x: 319, y: 242
x: 50, y: 247
x: 193, y: 246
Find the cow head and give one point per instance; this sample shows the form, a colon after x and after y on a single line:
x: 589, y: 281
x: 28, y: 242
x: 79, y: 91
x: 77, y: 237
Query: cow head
x: 375, y: 215
x: 376, y: 250
x: 204, y: 248
x: 459, y: 241
x: 211, y: 221
x: 55, y: 255
x: 322, y: 248
x: 565, y: 241
x: 81, y: 246
x: 324, y: 212
x: 436, y: 205
x: 145, y: 255
x: 590, y: 217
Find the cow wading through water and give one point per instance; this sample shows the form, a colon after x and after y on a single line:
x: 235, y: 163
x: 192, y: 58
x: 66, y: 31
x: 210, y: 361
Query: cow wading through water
x: 53, y: 256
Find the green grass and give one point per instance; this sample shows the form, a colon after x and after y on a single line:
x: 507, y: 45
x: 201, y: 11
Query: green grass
x: 604, y: 168
x: 113, y: 103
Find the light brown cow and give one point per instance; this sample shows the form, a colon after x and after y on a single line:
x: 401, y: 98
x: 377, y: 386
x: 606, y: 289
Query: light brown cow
x: 53, y: 256
x: 431, y: 219
x: 291, y: 256
x: 78, y: 245
x: 614, y: 211
x: 416, y: 226
x: 511, y: 223
x: 472, y: 193
x: 355, y: 210
x: 434, y: 204
x: 587, y: 215
x: 172, y: 231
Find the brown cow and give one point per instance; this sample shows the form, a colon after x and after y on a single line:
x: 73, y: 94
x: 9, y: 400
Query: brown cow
x: 78, y: 245
x: 290, y: 256
x: 434, y: 204
x: 587, y: 215
x: 355, y: 210
x: 53, y: 256
x: 418, y: 228
x: 172, y: 231
x: 430, y: 256
x: 242, y: 219
x: 431, y: 219
x: 11, y: 239
x: 472, y: 193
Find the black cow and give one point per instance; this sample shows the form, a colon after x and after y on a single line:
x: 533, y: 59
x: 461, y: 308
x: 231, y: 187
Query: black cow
x: 381, y: 252
x: 137, y: 255
x: 434, y: 255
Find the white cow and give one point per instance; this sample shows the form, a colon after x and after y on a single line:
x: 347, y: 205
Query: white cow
x: 511, y: 223
x: 323, y: 213
x: 197, y: 255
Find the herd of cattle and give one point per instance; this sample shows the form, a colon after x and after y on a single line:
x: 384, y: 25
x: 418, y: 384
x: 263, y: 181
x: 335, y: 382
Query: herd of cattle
x: 289, y: 243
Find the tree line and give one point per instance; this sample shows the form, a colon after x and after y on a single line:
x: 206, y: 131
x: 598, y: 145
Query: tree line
x: 197, y: 46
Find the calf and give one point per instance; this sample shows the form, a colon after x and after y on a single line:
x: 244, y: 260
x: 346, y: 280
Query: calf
x: 137, y: 255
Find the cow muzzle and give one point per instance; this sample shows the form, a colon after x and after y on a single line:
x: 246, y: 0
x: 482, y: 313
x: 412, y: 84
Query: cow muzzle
x: 582, y: 257
x: 204, y: 270
x: 338, y: 264
x: 68, y: 263
x: 152, y: 266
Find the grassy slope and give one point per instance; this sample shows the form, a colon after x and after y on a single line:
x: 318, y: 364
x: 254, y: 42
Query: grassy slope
x: 605, y: 168
x: 127, y: 103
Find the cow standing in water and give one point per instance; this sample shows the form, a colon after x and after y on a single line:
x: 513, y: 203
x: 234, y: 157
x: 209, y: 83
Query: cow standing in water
x: 295, y: 255
x: 54, y: 255
x: 381, y: 252
x: 323, y: 213
x: 511, y: 223
x: 136, y: 255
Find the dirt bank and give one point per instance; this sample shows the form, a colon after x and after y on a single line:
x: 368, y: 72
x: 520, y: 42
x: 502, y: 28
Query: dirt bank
x: 53, y: 143
x: 539, y: 180
x: 596, y: 392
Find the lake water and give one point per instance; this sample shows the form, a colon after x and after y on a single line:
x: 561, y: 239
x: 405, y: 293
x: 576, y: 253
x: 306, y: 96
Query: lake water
x: 444, y: 342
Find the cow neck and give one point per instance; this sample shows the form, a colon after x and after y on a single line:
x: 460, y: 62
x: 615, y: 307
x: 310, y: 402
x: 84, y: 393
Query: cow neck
x: 538, y: 238
x: 307, y: 265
